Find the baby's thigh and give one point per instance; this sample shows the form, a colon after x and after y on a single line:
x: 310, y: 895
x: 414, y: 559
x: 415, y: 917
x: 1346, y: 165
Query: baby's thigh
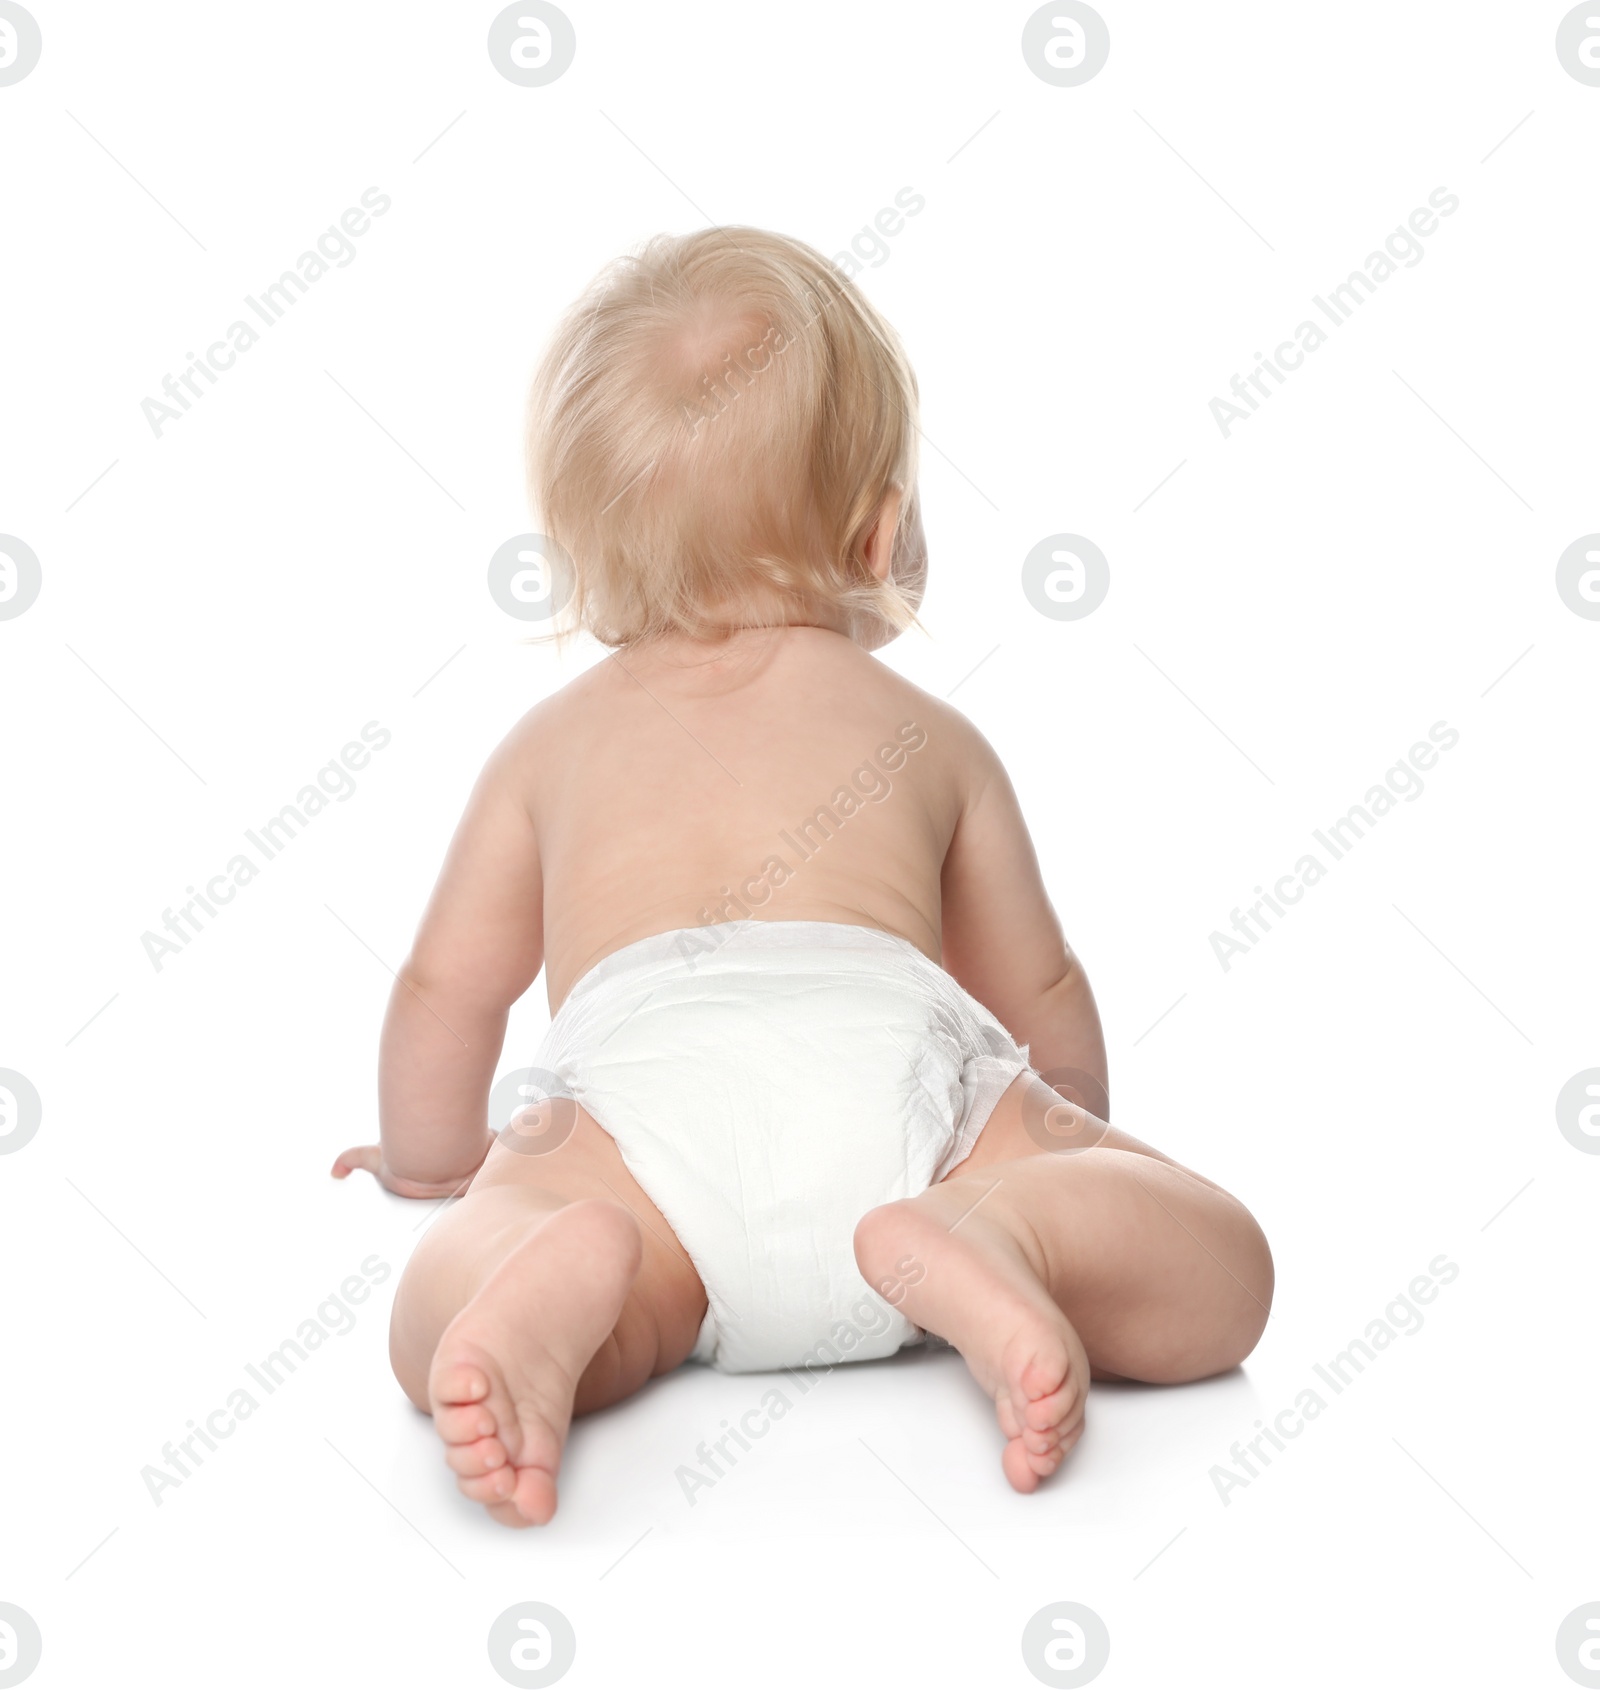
x: 557, y: 1147
x: 1032, y: 1119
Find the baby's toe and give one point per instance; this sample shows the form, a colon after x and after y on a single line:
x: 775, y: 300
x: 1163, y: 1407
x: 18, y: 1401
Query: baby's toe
x: 1017, y: 1465
x: 460, y: 1383
x: 1041, y: 1413
x: 1045, y: 1465
x: 535, y: 1495
x: 1046, y: 1373
x: 471, y: 1461
x: 1059, y: 1452
x: 1040, y: 1443
x: 463, y: 1423
x: 1033, y: 1455
x: 489, y: 1488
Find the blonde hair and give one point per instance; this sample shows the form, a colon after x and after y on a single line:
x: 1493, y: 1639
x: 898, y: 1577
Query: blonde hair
x: 719, y: 413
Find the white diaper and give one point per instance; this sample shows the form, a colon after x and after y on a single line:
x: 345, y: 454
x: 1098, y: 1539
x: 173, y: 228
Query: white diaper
x: 767, y: 1083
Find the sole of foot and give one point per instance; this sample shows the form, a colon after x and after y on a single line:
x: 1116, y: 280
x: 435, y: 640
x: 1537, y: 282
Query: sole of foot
x: 977, y: 1290
x: 507, y: 1368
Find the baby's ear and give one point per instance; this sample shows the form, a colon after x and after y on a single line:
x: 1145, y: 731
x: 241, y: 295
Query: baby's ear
x: 879, y: 547
x: 911, y: 549
x: 911, y: 553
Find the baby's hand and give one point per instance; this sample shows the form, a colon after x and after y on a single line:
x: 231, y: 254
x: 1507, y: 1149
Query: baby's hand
x: 370, y: 1158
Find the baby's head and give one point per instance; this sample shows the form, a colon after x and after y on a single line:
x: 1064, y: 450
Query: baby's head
x: 723, y: 433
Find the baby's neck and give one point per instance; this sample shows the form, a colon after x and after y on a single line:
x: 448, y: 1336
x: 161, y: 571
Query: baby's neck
x: 732, y: 638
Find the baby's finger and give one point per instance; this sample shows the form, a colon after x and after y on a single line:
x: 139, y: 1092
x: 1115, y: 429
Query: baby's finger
x: 367, y: 1157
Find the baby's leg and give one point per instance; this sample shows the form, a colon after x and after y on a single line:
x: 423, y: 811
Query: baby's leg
x: 552, y: 1288
x: 1047, y: 1267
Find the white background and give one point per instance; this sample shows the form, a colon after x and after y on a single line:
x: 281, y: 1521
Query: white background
x: 227, y: 604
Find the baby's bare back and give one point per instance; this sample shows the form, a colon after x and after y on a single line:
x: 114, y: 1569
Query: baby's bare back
x: 787, y: 775
x: 795, y: 778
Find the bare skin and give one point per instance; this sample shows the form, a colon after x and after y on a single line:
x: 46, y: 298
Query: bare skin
x: 645, y: 797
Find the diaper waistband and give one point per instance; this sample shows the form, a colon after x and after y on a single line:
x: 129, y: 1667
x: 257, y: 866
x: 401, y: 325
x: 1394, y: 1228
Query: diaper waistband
x: 694, y: 947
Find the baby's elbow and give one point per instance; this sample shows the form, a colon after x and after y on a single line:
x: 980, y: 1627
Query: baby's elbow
x: 433, y: 984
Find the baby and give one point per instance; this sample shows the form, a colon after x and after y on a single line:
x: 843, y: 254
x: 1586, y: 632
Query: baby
x: 823, y: 1076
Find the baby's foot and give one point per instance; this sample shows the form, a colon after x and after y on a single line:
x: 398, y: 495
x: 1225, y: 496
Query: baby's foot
x: 505, y: 1372
x: 976, y: 1289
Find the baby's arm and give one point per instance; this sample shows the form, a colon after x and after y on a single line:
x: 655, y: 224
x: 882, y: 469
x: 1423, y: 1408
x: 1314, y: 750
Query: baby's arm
x: 1002, y: 940
x: 478, y: 949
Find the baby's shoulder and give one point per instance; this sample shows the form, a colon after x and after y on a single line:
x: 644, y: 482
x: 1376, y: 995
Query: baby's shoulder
x: 950, y: 755
x: 543, y: 739
x: 959, y: 745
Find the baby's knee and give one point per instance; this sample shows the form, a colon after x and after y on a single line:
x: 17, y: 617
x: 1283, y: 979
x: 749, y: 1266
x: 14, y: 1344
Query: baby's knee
x: 1255, y: 1273
x: 614, y: 1232
x: 408, y: 1362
